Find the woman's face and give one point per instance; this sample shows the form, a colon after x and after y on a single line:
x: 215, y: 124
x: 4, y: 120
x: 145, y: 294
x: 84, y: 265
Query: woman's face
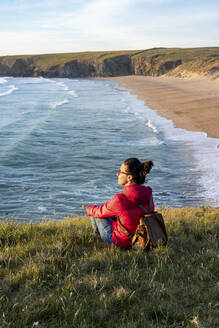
x: 123, y: 177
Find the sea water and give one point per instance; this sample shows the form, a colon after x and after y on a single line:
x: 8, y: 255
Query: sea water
x: 63, y: 140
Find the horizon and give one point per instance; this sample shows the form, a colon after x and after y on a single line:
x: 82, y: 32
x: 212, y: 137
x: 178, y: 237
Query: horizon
x: 51, y: 27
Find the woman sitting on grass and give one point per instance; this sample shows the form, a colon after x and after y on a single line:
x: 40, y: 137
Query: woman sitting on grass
x: 124, y: 206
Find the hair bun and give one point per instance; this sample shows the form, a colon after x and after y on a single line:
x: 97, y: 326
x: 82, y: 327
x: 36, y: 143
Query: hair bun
x: 146, y: 167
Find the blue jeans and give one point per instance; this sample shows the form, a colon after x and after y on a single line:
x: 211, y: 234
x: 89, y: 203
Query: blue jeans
x: 104, y: 227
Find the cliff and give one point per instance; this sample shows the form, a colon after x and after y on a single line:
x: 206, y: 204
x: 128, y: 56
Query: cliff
x: 199, y: 62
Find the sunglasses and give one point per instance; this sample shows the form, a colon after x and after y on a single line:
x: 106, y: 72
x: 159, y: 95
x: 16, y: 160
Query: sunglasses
x: 121, y: 172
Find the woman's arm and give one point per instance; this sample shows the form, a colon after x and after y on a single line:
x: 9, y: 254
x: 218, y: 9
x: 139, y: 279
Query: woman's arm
x: 111, y: 208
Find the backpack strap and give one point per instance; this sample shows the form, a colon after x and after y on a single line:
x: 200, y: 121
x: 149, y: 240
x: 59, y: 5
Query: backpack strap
x: 144, y: 209
x: 151, y: 204
x: 128, y: 234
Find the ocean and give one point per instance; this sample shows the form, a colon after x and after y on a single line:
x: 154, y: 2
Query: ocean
x: 63, y: 140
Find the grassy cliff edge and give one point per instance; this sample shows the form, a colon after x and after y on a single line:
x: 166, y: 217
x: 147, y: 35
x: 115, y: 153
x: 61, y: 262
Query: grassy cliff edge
x: 178, y: 62
x: 56, y: 274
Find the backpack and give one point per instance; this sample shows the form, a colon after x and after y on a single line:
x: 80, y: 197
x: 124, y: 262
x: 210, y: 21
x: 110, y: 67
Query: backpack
x: 150, y: 232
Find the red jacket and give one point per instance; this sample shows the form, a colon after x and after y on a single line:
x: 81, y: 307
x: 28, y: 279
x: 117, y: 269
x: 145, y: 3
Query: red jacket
x: 124, y: 206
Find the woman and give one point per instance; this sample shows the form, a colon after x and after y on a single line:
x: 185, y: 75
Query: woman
x: 124, y: 206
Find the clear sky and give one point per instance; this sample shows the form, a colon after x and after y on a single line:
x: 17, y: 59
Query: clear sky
x: 50, y: 26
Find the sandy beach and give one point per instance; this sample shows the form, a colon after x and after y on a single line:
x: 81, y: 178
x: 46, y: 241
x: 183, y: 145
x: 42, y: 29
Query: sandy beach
x: 192, y: 104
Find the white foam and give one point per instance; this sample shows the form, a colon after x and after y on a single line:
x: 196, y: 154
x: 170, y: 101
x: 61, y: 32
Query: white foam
x: 62, y: 84
x: 73, y: 93
x: 11, y: 88
x: 60, y: 103
x: 151, y: 126
x: 42, y: 209
x: 3, y: 80
x: 149, y: 141
x: 207, y: 156
x: 37, y: 80
x: 66, y: 192
x: 203, y: 150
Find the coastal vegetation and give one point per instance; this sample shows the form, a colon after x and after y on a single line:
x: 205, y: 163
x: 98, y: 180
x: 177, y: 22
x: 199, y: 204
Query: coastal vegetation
x: 179, y: 62
x: 57, y: 274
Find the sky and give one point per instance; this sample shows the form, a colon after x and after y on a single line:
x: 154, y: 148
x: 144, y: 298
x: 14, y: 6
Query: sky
x: 58, y: 26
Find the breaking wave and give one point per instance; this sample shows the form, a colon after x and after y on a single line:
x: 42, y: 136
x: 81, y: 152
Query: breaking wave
x: 11, y: 88
x: 73, y: 93
x: 151, y: 126
x: 59, y: 103
x: 66, y: 88
x: 62, y: 84
x: 3, y: 80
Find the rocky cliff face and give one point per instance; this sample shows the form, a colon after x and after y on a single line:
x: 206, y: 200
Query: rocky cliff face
x: 153, y: 65
x: 18, y: 68
x: 117, y: 66
x: 150, y: 63
x: 97, y: 68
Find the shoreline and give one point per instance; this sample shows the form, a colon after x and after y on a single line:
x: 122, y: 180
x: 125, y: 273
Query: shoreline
x: 192, y: 104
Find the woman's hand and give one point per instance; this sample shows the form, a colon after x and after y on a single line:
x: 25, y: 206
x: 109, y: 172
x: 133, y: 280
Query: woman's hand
x: 89, y: 209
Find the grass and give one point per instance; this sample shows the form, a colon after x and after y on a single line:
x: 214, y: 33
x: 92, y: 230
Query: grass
x: 46, y: 61
x: 195, y: 60
x: 59, y: 275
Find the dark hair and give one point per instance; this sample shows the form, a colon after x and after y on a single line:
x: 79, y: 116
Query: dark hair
x: 137, y: 169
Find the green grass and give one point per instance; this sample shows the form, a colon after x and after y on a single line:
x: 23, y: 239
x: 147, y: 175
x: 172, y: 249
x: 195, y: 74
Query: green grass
x: 46, y: 61
x: 194, y: 60
x: 59, y: 275
x: 197, y: 60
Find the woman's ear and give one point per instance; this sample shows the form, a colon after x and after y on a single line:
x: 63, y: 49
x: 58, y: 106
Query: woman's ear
x: 130, y: 178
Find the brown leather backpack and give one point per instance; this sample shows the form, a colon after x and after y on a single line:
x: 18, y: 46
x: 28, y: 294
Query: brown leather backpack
x: 150, y: 232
